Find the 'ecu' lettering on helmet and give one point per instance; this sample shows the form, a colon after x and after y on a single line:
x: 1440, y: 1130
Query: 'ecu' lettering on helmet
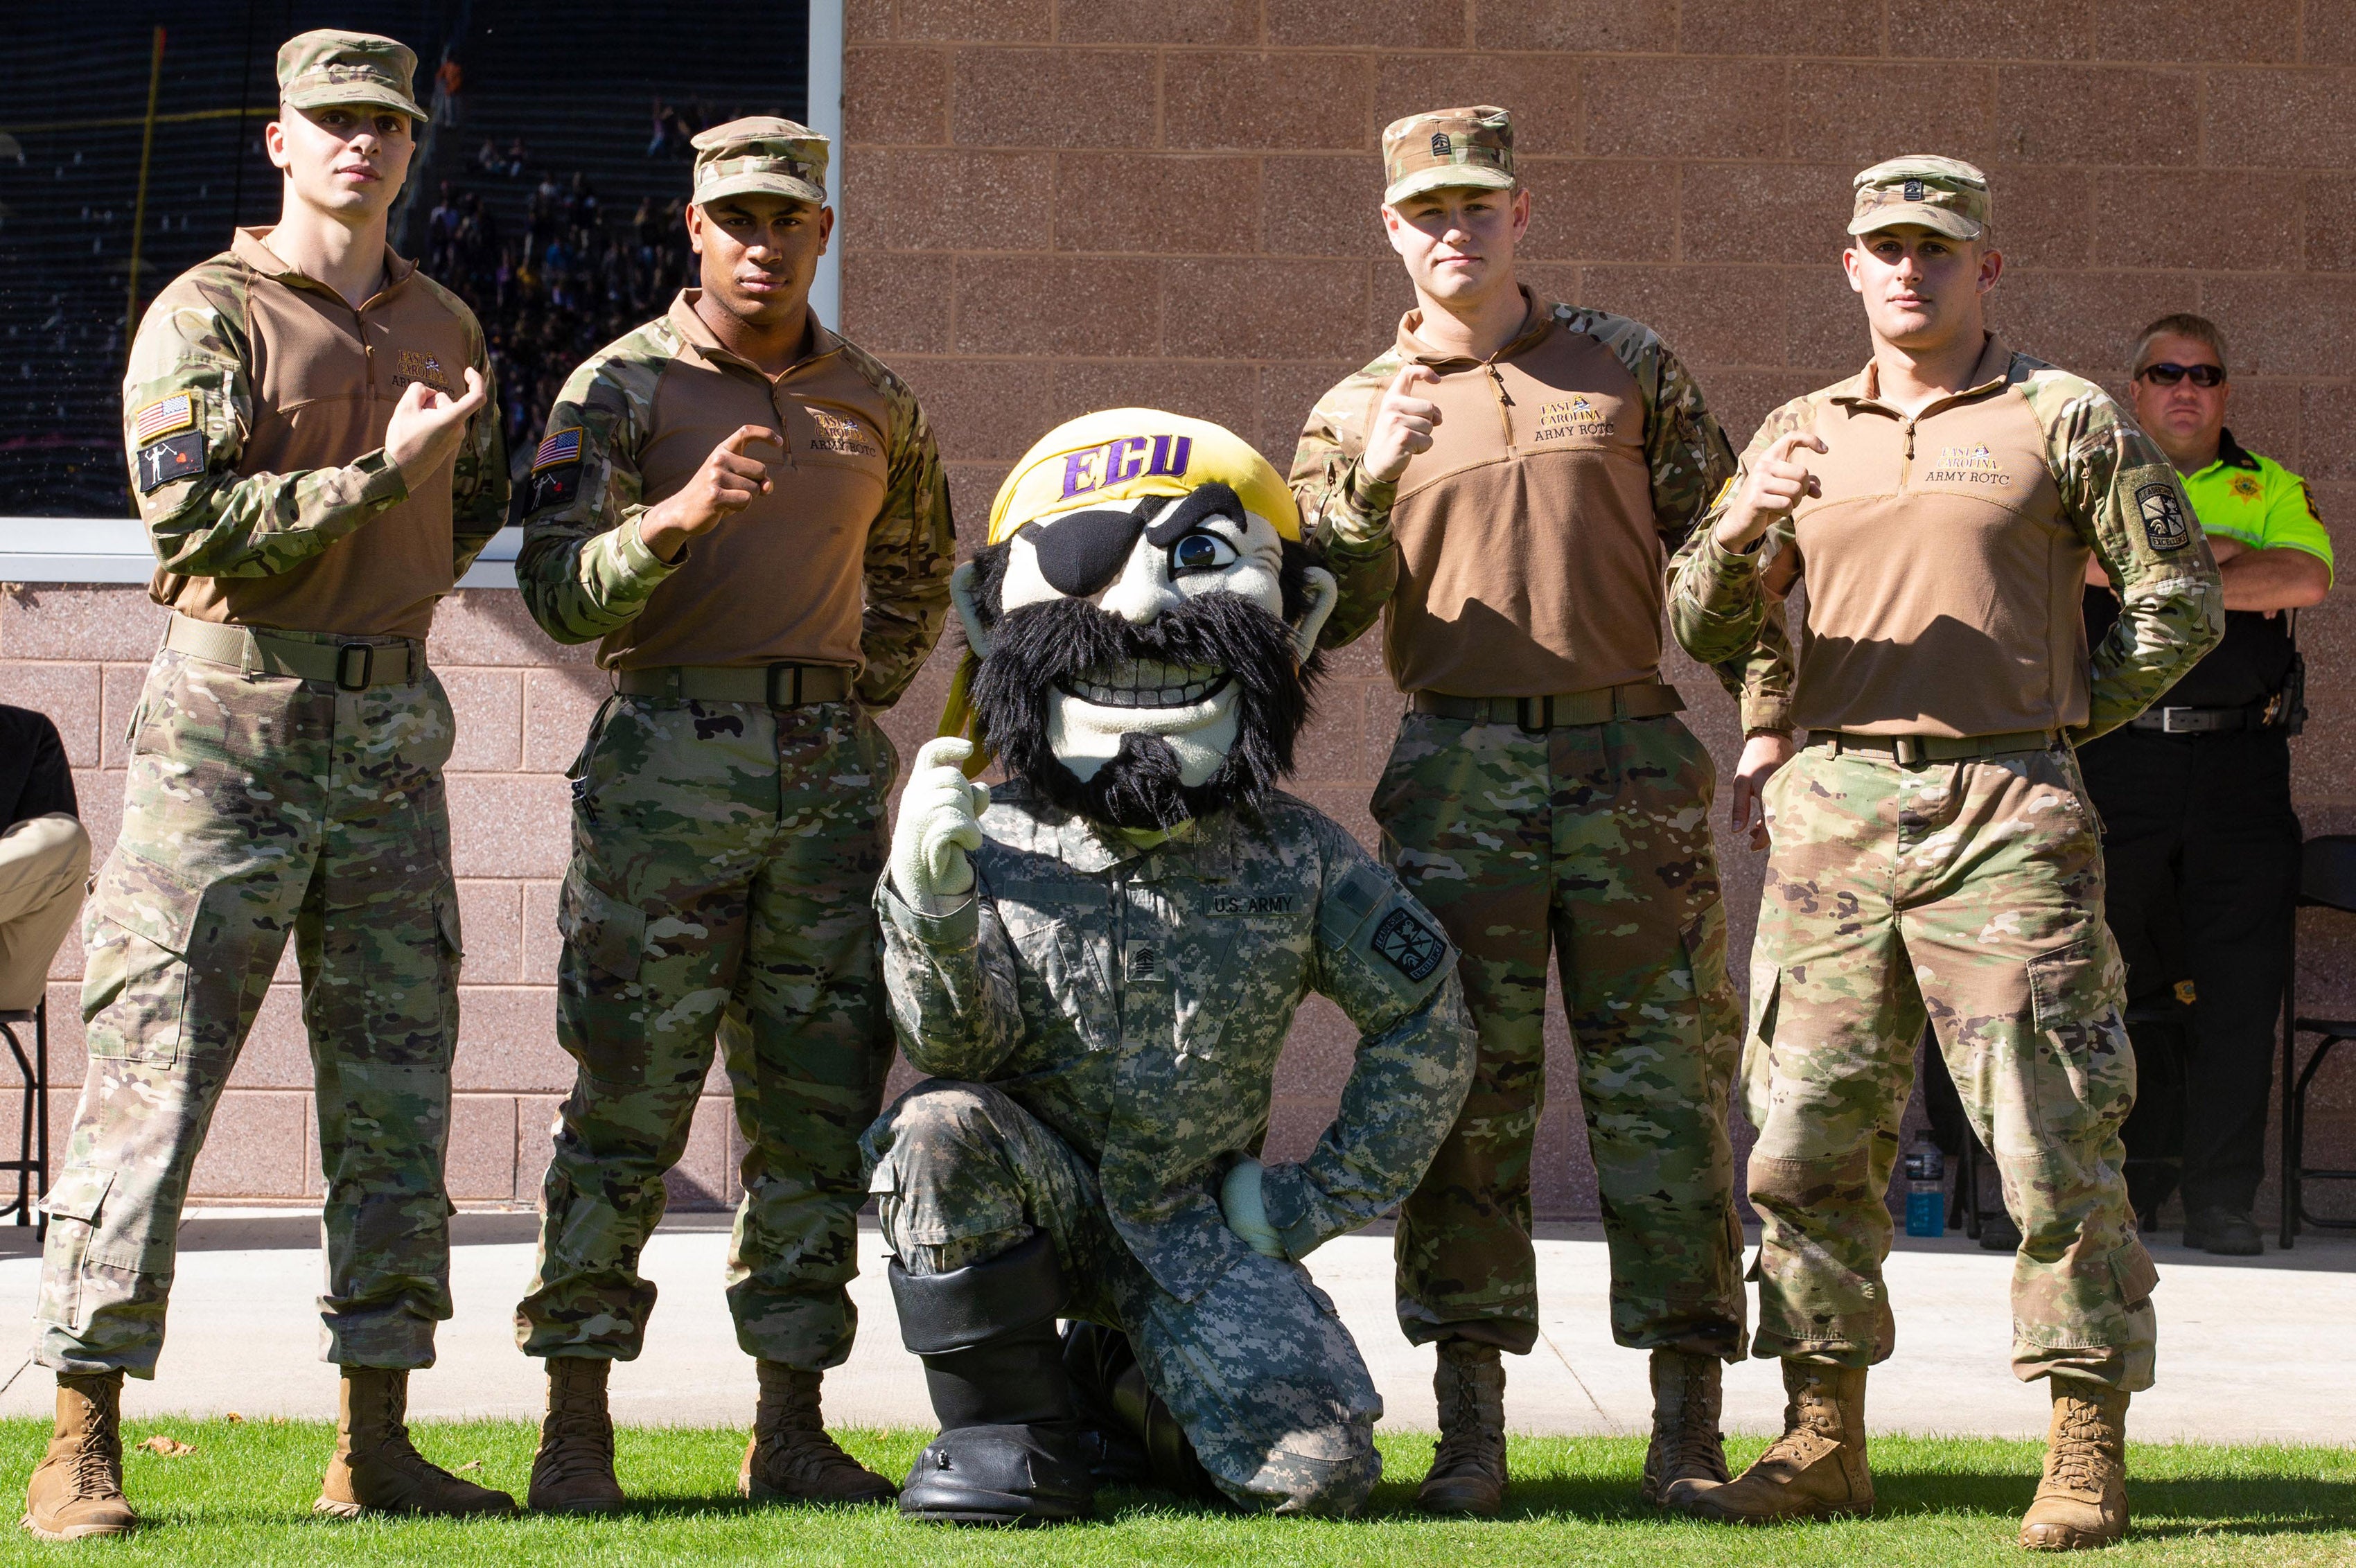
x: 1124, y: 458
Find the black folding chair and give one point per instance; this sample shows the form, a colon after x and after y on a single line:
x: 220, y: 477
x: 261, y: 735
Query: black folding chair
x: 2327, y: 879
x: 32, y: 1162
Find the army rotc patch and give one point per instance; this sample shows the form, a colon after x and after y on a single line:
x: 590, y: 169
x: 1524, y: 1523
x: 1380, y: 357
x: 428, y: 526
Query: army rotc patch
x: 556, y: 469
x: 2163, y: 517
x: 1412, y: 947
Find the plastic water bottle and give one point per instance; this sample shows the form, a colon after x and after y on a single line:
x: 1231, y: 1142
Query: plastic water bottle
x: 1926, y: 1189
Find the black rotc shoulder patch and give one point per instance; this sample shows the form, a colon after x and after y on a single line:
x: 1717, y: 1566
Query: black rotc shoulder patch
x: 180, y: 457
x: 1412, y: 947
x: 2163, y: 517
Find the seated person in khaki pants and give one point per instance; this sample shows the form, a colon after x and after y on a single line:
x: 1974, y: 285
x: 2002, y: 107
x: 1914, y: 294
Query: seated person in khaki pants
x: 43, y: 854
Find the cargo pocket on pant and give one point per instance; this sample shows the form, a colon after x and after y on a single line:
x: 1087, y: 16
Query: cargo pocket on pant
x: 608, y: 933
x: 72, y: 1206
x: 2085, y: 1073
x: 139, y: 932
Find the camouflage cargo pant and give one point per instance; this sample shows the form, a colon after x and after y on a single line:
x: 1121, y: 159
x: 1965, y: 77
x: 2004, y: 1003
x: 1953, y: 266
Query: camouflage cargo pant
x: 1971, y: 894
x: 724, y: 857
x: 1258, y: 1369
x: 1591, y: 842
x: 258, y: 806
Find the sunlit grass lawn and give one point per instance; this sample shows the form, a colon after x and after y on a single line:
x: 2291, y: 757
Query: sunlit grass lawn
x: 244, y: 1496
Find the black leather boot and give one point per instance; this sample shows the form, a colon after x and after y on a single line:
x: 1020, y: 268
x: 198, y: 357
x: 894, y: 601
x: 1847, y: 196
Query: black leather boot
x: 1008, y: 1452
x: 1131, y: 1436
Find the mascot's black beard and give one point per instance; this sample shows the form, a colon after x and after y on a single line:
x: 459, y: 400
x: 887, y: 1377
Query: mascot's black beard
x: 1038, y: 646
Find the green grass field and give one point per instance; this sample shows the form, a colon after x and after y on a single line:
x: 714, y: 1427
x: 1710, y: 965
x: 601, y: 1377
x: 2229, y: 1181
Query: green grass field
x: 244, y: 1496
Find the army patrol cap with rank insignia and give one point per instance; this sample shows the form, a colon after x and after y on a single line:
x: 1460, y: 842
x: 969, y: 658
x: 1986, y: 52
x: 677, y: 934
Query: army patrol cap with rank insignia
x: 1448, y: 146
x: 1943, y: 194
x: 760, y: 154
x: 324, y: 67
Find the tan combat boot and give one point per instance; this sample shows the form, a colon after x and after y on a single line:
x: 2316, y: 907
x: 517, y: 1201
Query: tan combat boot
x: 1468, y: 1465
x: 573, y: 1471
x: 2083, y: 1501
x: 378, y: 1470
x: 1815, y: 1470
x: 791, y: 1455
x: 1686, y: 1444
x: 76, y: 1491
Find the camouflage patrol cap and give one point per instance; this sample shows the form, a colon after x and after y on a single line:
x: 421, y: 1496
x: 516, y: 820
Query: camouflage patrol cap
x: 324, y: 65
x: 760, y: 154
x: 1943, y: 194
x: 1448, y: 146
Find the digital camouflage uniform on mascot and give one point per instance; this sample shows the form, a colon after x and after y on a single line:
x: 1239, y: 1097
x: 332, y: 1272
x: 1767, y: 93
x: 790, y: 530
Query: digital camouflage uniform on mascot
x: 1101, y: 964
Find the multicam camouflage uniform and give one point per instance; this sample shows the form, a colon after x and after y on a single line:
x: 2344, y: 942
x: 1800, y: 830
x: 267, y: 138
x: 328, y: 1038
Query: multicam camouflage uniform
x: 1116, y: 1013
x: 724, y: 854
x: 1967, y: 891
x: 258, y: 804
x: 1591, y: 839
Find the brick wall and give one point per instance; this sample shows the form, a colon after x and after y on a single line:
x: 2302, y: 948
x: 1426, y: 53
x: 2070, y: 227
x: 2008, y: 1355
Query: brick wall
x: 1053, y: 206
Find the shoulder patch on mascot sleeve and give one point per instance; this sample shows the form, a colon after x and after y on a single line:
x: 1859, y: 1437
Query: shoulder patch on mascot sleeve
x: 1409, y: 945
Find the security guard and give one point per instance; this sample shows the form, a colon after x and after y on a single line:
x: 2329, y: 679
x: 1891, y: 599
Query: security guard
x: 749, y: 514
x: 2199, y: 842
x: 317, y: 462
x: 1934, y: 855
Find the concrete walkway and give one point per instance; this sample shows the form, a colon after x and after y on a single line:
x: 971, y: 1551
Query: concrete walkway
x: 2246, y: 1348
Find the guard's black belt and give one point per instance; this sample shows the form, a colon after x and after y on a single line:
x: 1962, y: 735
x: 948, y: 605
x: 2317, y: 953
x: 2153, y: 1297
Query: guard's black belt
x: 2195, y: 721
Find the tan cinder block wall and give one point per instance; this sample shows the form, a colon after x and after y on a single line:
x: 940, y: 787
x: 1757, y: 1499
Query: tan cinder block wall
x: 1053, y: 206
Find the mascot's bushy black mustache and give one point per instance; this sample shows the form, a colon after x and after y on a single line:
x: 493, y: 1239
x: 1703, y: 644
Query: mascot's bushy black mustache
x: 1038, y: 646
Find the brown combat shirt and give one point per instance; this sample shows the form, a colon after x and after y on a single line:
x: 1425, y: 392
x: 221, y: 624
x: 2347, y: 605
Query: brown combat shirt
x: 255, y: 413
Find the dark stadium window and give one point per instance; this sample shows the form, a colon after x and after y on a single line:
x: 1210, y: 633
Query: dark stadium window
x: 561, y: 224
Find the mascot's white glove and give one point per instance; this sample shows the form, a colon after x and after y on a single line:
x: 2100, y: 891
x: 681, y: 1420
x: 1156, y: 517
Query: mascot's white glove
x: 1247, y: 1210
x: 941, y: 823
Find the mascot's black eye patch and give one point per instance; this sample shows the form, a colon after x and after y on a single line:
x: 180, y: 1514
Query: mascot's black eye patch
x: 1080, y: 554
x: 1199, y: 506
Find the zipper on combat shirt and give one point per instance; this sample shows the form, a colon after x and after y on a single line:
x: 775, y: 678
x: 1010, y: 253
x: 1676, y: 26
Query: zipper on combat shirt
x: 1504, y: 402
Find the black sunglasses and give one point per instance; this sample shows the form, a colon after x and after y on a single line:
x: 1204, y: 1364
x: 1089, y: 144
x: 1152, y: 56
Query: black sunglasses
x: 2167, y: 373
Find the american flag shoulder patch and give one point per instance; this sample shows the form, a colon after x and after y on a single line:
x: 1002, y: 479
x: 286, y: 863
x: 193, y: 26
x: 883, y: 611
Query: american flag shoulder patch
x: 164, y: 417
x: 562, y: 447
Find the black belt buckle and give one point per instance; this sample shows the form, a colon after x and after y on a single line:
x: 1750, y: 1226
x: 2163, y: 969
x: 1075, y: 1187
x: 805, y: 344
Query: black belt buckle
x: 776, y: 699
x: 1522, y: 715
x: 344, y: 679
x: 2170, y: 724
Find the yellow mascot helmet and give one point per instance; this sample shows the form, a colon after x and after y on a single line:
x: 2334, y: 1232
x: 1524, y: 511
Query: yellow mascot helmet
x: 1108, y: 459
x: 1120, y: 454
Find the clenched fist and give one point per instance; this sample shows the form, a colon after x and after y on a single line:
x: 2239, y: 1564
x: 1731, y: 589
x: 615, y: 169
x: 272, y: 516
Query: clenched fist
x: 1402, y: 425
x: 939, y: 825
x: 723, y: 488
x: 1780, y: 481
x: 427, y: 426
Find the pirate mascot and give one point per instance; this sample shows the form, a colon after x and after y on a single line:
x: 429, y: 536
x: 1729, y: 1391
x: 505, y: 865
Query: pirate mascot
x: 1099, y: 961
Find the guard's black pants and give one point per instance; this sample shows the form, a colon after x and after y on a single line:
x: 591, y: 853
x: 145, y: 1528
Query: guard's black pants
x: 2202, y: 853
